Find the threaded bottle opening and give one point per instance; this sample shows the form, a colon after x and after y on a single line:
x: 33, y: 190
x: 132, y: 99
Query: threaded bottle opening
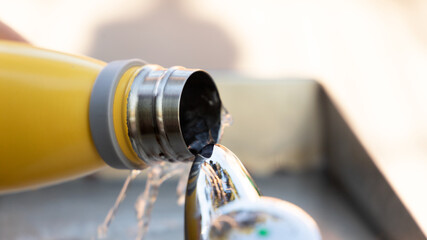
x: 172, y: 113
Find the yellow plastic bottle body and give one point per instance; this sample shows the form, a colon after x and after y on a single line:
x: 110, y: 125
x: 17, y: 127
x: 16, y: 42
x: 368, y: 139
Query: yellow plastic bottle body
x: 44, y: 116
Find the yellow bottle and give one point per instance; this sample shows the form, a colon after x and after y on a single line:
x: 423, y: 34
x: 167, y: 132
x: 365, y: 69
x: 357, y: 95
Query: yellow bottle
x: 65, y: 116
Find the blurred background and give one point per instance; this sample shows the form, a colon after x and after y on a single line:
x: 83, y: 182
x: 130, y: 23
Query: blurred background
x: 370, y: 56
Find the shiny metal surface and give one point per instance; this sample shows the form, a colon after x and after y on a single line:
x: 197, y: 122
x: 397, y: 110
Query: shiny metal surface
x: 157, y: 110
x: 266, y: 218
x: 223, y: 202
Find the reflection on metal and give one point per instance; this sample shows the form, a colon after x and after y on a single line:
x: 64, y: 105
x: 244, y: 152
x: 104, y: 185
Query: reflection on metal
x: 223, y: 202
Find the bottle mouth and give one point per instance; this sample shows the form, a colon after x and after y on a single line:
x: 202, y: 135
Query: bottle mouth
x: 172, y: 113
x: 200, y: 112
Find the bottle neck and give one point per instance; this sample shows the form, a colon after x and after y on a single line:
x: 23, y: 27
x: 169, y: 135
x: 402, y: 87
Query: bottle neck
x: 152, y: 114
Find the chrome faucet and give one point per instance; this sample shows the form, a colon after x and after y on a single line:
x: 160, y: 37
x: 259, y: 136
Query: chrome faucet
x: 223, y: 202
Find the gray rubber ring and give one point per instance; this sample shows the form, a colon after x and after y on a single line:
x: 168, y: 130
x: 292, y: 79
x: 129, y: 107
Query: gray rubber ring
x: 101, y: 113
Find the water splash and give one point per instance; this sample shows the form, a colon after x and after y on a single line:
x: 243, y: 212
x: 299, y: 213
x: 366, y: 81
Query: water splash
x: 144, y: 204
x: 181, y: 188
x: 156, y: 176
x: 103, y: 228
x: 226, y: 121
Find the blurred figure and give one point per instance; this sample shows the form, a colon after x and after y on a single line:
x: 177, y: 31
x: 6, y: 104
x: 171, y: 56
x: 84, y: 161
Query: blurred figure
x: 168, y: 35
x: 7, y: 33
